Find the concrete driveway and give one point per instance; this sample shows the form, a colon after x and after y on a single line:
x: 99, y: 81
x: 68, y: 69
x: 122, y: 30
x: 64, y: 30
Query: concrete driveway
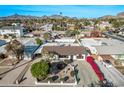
x: 112, y: 74
x: 86, y: 74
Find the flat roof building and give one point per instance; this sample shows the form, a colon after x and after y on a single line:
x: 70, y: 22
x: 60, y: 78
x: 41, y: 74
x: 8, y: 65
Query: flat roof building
x: 18, y: 31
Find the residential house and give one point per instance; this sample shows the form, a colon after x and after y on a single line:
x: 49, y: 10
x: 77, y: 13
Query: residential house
x: 66, y: 52
x: 47, y: 27
x: 105, y: 49
x: 116, y: 51
x: 65, y: 40
x: 71, y: 26
x: 18, y: 31
x: 104, y: 24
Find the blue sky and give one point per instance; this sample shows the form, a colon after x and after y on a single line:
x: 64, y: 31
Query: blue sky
x: 86, y: 11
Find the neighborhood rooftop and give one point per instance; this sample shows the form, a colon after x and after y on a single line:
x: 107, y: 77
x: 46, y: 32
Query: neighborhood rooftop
x: 65, y: 50
x: 116, y: 49
x: 11, y: 27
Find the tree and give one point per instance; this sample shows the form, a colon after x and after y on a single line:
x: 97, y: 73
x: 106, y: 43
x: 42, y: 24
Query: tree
x: 15, y: 48
x: 39, y: 41
x: 72, y: 33
x: 47, y: 36
x: 40, y: 70
x: 87, y: 23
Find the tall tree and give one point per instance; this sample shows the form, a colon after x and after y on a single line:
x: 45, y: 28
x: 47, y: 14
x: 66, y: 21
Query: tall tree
x: 15, y: 48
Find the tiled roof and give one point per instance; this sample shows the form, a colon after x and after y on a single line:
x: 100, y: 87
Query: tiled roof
x: 65, y: 50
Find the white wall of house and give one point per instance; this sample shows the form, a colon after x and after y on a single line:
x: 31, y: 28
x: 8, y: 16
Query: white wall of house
x: 74, y: 57
x: 17, y: 32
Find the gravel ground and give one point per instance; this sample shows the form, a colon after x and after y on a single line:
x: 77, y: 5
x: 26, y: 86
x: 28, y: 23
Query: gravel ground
x: 86, y: 74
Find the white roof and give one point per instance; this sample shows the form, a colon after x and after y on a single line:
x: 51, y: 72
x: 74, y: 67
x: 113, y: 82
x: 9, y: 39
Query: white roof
x: 65, y: 40
x: 113, y: 49
x: 90, y: 42
x: 59, y: 44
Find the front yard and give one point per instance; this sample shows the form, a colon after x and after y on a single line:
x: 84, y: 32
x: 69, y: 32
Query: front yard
x: 58, y: 73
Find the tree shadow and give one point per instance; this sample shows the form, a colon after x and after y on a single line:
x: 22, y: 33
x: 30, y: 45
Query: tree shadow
x: 76, y: 75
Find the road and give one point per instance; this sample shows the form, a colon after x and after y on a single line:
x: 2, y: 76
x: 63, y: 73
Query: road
x: 114, y: 36
x: 112, y: 74
x: 86, y: 74
x: 10, y: 77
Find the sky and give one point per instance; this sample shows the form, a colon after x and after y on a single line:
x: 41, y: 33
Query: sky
x: 79, y: 11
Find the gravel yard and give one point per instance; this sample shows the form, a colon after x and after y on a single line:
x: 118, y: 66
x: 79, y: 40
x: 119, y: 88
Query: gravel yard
x: 86, y: 74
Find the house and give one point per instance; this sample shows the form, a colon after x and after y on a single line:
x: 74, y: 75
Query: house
x: 84, y: 34
x: 71, y: 26
x: 58, y: 34
x: 89, y: 28
x: 92, y: 43
x: 18, y: 31
x: 64, y: 40
x: 47, y: 27
x: 65, y: 52
x: 104, y: 24
x: 116, y: 51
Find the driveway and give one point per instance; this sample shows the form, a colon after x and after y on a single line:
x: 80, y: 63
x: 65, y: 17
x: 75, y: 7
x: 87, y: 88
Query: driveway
x: 86, y: 74
x: 112, y: 74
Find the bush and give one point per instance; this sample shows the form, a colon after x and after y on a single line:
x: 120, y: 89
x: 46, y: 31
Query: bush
x: 40, y: 70
x: 39, y: 41
x: 47, y: 36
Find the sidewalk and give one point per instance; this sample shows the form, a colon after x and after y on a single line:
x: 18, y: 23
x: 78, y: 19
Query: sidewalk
x: 30, y: 80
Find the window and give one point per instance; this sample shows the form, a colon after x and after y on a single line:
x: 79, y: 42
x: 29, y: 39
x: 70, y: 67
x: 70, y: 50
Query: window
x: 63, y: 56
x: 80, y: 56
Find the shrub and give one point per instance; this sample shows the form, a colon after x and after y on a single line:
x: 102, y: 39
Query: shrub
x: 47, y: 36
x: 40, y: 70
x: 39, y: 41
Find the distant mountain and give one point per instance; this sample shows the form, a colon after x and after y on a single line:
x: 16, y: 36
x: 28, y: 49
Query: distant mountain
x: 121, y: 14
x: 17, y: 16
x: 107, y: 17
x: 22, y: 17
x: 56, y: 16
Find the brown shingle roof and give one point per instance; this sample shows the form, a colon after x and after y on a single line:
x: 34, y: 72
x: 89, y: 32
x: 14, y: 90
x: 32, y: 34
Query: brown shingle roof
x: 65, y: 50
